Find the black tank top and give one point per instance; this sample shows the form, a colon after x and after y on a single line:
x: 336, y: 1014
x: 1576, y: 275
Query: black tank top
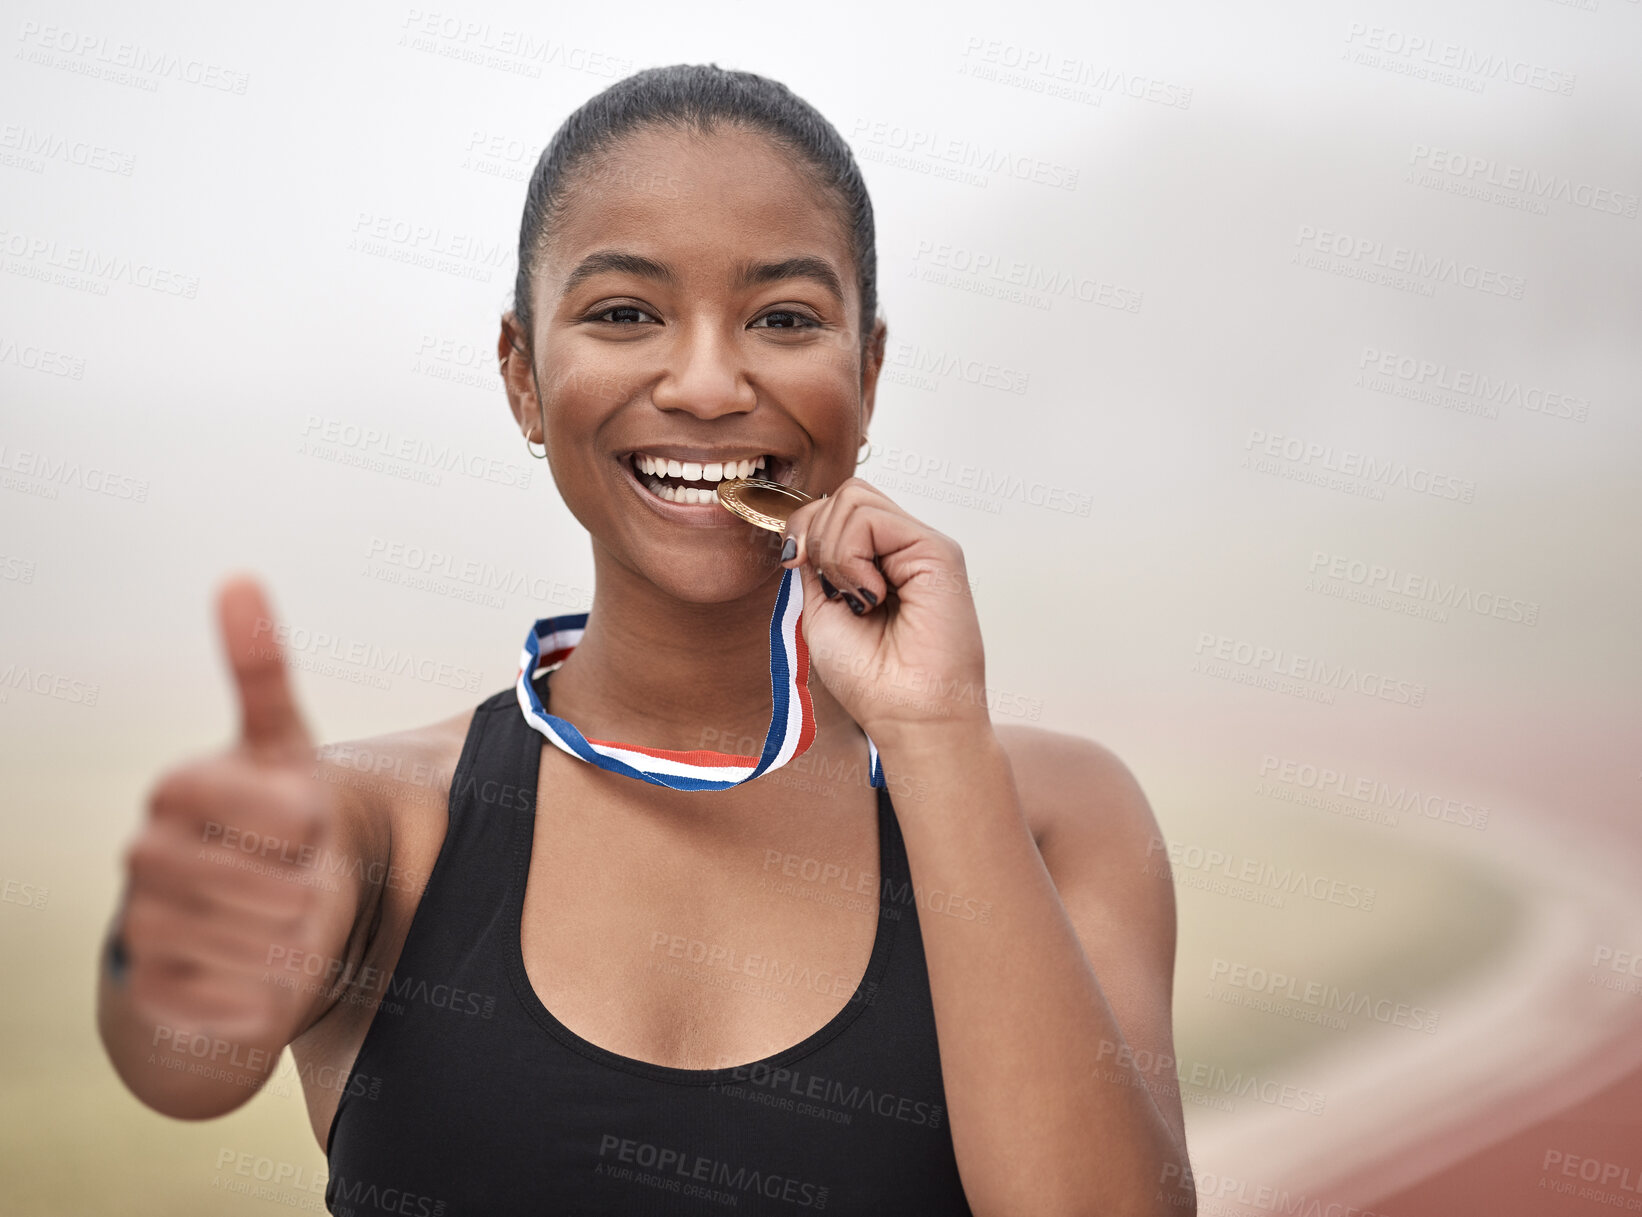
x: 470, y: 1099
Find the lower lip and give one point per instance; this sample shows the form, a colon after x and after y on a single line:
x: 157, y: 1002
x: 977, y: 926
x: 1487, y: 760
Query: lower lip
x: 699, y: 514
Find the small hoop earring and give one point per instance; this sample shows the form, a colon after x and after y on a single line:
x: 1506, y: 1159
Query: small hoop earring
x: 542, y: 455
x: 867, y: 444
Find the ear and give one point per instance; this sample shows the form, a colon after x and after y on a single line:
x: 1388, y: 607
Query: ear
x: 514, y: 353
x: 869, y: 371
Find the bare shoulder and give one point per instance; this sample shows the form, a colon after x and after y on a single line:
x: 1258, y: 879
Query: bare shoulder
x: 393, y: 778
x: 390, y: 801
x: 1073, y: 788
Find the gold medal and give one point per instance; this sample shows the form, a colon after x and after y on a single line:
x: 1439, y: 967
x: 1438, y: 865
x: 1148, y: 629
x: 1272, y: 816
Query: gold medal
x: 760, y: 501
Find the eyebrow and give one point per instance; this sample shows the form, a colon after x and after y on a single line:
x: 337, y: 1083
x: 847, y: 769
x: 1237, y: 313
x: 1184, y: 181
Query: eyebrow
x: 749, y: 274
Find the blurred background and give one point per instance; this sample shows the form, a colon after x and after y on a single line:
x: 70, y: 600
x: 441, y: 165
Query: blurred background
x: 1276, y: 366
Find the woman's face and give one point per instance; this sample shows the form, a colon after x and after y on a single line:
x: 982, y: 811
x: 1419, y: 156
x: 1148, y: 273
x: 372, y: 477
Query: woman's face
x: 656, y: 333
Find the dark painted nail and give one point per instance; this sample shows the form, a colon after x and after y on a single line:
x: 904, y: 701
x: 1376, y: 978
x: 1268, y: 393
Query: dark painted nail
x: 119, y: 960
x: 827, y: 589
x: 867, y: 596
x: 856, y: 606
x: 789, y: 549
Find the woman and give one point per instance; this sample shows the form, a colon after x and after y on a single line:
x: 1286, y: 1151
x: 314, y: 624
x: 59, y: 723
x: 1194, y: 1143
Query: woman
x: 901, y: 960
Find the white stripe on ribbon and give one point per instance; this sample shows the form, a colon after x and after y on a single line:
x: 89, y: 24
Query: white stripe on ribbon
x: 551, y: 639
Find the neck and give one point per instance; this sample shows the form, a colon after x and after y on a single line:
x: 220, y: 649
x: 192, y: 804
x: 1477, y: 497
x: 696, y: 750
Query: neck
x: 664, y: 673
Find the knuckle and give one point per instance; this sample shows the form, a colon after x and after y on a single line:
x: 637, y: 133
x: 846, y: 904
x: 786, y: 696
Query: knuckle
x: 175, y: 790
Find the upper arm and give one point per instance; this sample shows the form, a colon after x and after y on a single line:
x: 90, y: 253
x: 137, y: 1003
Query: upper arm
x: 1101, y: 844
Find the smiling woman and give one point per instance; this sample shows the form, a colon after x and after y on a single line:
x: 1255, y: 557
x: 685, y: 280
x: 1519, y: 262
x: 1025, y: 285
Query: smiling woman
x: 739, y: 936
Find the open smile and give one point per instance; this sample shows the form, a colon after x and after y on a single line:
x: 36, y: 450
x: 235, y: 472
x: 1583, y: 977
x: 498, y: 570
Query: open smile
x: 683, y: 485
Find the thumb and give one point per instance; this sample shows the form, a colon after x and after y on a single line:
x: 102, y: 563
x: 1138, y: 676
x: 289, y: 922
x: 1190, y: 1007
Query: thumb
x: 268, y: 715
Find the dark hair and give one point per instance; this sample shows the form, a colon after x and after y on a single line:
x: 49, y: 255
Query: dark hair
x: 698, y: 98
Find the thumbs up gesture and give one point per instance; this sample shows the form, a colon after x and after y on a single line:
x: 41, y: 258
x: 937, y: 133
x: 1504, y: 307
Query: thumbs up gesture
x: 228, y: 873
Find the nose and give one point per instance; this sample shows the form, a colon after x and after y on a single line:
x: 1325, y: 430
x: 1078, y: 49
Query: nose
x: 704, y: 378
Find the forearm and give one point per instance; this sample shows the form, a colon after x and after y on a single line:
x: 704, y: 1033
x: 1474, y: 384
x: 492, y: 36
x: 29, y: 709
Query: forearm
x: 1047, y: 1116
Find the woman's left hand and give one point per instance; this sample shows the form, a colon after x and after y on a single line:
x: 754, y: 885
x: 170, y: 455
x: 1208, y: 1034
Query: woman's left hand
x: 911, y: 659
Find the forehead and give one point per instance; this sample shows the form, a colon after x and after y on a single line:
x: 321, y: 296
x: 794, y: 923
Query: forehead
x: 700, y: 202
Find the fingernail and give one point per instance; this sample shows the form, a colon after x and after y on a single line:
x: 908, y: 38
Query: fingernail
x: 827, y: 589
x: 856, y: 606
x: 789, y: 549
x: 867, y: 596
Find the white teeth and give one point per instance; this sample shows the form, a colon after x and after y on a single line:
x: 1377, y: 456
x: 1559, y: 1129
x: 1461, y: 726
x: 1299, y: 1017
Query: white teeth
x: 684, y: 494
x: 692, y: 471
x: 656, y: 468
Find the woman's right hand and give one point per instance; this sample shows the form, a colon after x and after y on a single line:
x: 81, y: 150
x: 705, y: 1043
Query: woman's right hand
x: 221, y: 879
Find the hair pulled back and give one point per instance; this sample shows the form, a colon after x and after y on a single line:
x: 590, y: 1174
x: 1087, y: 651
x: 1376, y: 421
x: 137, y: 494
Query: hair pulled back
x: 697, y: 99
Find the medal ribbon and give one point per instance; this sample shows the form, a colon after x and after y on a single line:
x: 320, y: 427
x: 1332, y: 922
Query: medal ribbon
x: 792, y: 717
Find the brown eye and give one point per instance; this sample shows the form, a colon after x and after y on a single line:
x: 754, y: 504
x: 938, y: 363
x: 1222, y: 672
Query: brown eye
x: 619, y: 308
x: 791, y: 320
